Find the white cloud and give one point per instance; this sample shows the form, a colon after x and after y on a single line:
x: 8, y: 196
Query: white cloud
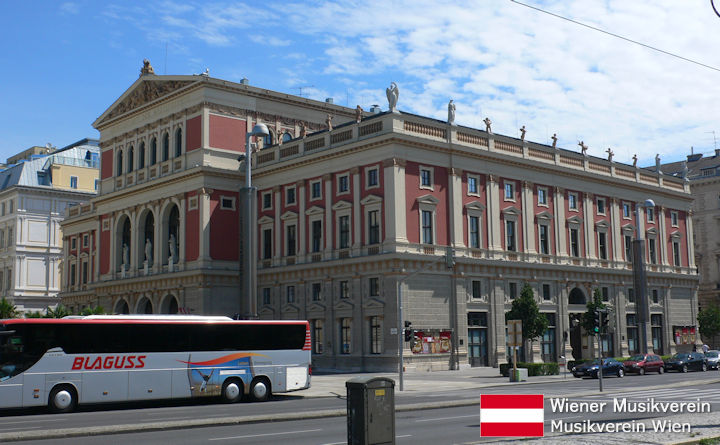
x: 70, y: 8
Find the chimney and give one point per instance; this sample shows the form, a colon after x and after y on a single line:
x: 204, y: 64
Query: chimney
x: 244, y: 81
x: 375, y: 109
x: 717, y: 152
x: 328, y: 100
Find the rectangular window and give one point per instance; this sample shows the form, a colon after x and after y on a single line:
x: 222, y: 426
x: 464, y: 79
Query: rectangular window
x: 476, y: 289
x: 651, y: 248
x: 632, y: 334
x: 316, y: 236
x: 472, y: 184
x: 631, y: 295
x: 84, y: 275
x: 343, y: 184
x: 266, y: 295
x: 674, y: 219
x: 546, y: 292
x: 426, y: 178
x: 650, y: 212
x: 572, y: 201
x: 542, y: 196
x: 227, y: 203
x: 290, y: 294
x: 547, y: 343
x: 73, y: 272
x: 317, y: 329
x: 9, y: 279
x: 676, y: 253
x: 512, y: 290
x: 474, y: 232
x: 655, y: 297
x: 316, y: 291
x: 11, y: 237
x: 267, y: 200
x: 626, y: 210
x: 2, y: 238
x: 345, y: 335
x: 374, y: 286
x: 344, y: 289
x: 602, y: 245
x: 543, y: 231
x: 427, y: 227
x: 372, y: 177
x: 85, y: 240
x: 267, y: 244
x: 656, y: 328
x: 73, y: 182
x: 11, y: 205
x: 344, y: 227
x: 605, y: 294
x: 510, y: 236
x: 628, y: 248
x: 574, y: 242
x: 290, y: 196
x: 316, y: 190
x: 73, y: 243
x: 601, y: 206
x: 509, y: 191
x: 97, y: 184
x: 376, y: 340
x: 373, y: 227
x: 291, y: 240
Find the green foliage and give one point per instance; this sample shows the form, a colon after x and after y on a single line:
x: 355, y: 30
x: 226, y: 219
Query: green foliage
x: 35, y: 314
x: 60, y: 311
x: 525, y: 308
x: 588, y: 318
x: 709, y: 321
x: 534, y: 369
x: 8, y: 310
x: 97, y: 310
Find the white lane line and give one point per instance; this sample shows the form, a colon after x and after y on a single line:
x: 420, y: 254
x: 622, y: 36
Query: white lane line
x: 447, y: 418
x: 29, y: 421
x: 406, y: 435
x: 264, y: 435
x: 21, y: 429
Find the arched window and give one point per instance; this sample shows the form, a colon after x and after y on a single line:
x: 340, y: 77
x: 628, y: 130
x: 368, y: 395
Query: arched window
x: 144, y: 306
x: 166, y: 147
x: 268, y: 140
x: 576, y: 297
x: 130, y: 159
x: 153, y: 151
x: 172, y: 234
x: 119, y: 168
x: 169, y: 305
x: 286, y: 137
x: 122, y: 307
x: 141, y: 161
x: 178, y: 142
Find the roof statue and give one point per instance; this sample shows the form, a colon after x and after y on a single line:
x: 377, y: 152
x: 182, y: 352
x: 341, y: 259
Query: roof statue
x: 451, y: 112
x: 554, y: 139
x: 358, y: 114
x: 488, y: 125
x: 392, y: 94
x: 685, y: 172
x: 206, y: 73
x: 610, y: 154
x: 657, y: 164
x: 328, y: 122
x: 147, y: 68
x: 583, y: 148
x: 303, y: 130
x: 522, y: 133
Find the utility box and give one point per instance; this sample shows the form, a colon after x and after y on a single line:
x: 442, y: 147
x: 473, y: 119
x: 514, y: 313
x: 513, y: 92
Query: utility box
x: 370, y: 411
x: 519, y: 375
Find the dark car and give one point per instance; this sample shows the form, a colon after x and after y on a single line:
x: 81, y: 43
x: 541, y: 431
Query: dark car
x: 642, y: 363
x: 610, y: 367
x: 686, y: 361
x: 712, y: 357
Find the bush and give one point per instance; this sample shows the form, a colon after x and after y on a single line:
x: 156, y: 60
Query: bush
x: 534, y: 369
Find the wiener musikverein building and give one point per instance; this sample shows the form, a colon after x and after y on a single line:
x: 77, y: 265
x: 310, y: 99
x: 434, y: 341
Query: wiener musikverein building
x: 357, y: 207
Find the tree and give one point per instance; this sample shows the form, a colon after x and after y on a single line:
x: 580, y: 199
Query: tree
x: 588, y: 318
x: 60, y: 311
x: 97, y: 310
x: 525, y: 308
x: 709, y: 321
x: 8, y: 310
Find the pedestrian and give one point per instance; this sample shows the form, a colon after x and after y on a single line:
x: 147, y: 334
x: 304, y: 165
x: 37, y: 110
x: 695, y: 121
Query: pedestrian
x: 705, y: 348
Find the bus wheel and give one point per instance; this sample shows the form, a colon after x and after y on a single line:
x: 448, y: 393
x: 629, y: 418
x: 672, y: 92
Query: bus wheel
x: 231, y: 391
x: 63, y: 399
x: 260, y: 389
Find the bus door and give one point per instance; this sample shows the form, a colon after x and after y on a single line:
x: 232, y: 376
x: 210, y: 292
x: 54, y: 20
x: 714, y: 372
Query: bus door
x: 11, y: 379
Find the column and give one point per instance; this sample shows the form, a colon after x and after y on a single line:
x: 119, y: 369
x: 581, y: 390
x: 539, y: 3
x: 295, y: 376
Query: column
x: 588, y: 215
x: 689, y: 239
x: 527, y: 218
x: 181, y: 230
x: 328, y: 238
x: 454, y: 199
x: 493, y: 217
x: 277, y: 230
x: 497, y: 344
x: 157, y: 237
x: 395, y: 214
x: 113, y: 243
x: 559, y: 223
x: 662, y: 245
x: 204, y: 226
x: 95, y: 249
x: 302, y: 218
x: 618, y: 244
x: 356, y: 211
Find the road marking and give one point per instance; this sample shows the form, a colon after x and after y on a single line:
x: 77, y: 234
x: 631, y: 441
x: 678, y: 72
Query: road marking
x: 447, y: 418
x: 263, y: 435
x: 20, y: 429
x: 29, y: 421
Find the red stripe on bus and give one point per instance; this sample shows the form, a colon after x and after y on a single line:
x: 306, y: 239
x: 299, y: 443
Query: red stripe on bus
x: 224, y: 359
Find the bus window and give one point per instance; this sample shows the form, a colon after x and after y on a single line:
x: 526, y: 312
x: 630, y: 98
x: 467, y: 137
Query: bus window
x: 11, y: 356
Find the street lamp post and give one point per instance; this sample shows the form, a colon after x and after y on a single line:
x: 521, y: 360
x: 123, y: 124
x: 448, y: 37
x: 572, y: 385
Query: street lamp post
x: 640, y: 278
x: 248, y: 240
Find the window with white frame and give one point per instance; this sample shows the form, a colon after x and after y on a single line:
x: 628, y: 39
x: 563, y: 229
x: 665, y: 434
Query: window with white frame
x: 374, y: 286
x: 676, y: 252
x: 655, y: 296
x: 11, y: 237
x: 73, y: 243
x: 546, y: 292
x: 344, y: 289
x: 316, y: 235
x: 602, y: 244
x: 73, y: 274
x: 316, y: 291
x: 343, y: 183
x: 572, y: 201
x: 652, y: 250
x: 73, y: 182
x: 267, y: 243
x: 476, y: 289
x: 674, y: 219
x: 267, y: 200
x: 372, y: 178
x: 290, y: 294
x: 509, y: 190
x: 97, y: 183
x: 373, y: 228
x: 650, y: 214
x: 510, y: 235
x: 542, y: 196
x: 266, y: 295
x: 2, y: 238
x: 343, y: 231
x: 628, y: 247
x: 10, y: 206
x: 626, y: 210
x: 512, y: 290
x: 290, y: 198
x: 474, y: 232
x: 227, y: 202
x: 345, y: 335
x: 316, y: 189
x: 605, y: 293
x: 376, y: 337
x: 85, y: 240
x: 317, y: 330
x: 427, y: 205
x: 544, y: 237
x: 574, y: 241
x: 473, y: 185
x: 426, y: 178
x: 291, y: 239
x: 84, y: 273
x: 601, y: 206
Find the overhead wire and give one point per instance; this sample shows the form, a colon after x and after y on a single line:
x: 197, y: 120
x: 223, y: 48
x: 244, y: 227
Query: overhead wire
x: 619, y: 36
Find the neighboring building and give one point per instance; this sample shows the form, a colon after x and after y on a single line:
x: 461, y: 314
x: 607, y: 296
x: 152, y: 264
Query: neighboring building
x: 455, y: 218
x: 34, y: 193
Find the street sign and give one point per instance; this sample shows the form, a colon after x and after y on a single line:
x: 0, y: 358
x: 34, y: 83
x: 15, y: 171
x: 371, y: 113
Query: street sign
x: 514, y: 332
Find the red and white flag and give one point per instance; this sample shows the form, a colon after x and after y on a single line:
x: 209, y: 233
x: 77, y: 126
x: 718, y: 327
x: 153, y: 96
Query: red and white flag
x: 511, y: 415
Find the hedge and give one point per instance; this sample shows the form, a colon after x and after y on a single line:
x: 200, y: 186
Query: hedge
x: 534, y: 369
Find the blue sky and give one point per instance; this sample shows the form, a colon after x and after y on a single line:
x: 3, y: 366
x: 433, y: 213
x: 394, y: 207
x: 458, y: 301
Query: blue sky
x: 64, y: 63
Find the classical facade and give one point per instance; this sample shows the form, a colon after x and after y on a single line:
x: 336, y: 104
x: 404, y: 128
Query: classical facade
x: 382, y: 213
x: 35, y: 189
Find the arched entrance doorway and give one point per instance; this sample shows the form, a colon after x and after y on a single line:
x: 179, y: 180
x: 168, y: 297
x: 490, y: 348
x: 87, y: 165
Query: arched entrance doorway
x: 169, y: 305
x: 144, y: 306
x: 122, y: 307
x: 578, y: 299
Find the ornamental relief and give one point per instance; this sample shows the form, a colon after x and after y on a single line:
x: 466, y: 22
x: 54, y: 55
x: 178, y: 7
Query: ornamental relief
x: 148, y: 91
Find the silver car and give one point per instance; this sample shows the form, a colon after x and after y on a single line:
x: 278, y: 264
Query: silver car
x: 712, y: 359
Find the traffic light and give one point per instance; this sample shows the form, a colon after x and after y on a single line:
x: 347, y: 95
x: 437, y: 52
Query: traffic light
x: 408, y: 331
x: 597, y: 321
x: 604, y: 323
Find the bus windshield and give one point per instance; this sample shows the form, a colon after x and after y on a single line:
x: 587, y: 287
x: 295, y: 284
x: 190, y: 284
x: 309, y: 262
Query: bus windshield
x: 11, y: 348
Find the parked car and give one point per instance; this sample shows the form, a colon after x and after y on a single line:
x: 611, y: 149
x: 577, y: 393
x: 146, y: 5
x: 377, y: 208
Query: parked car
x: 712, y: 357
x: 610, y: 367
x: 686, y: 361
x: 642, y: 363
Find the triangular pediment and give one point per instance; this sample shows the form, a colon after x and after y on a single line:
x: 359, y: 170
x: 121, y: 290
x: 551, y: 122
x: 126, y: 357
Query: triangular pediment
x: 344, y: 305
x: 371, y: 199
x: 315, y: 210
x: 267, y: 311
x: 291, y: 308
x: 316, y: 307
x: 342, y: 205
x: 544, y: 215
x: 265, y: 220
x: 146, y: 90
x: 373, y: 303
x: 475, y: 205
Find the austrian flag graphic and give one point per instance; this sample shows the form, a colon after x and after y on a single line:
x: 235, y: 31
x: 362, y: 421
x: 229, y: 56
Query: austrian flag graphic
x: 511, y: 415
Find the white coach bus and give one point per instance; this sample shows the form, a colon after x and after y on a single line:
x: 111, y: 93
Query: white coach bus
x: 96, y: 359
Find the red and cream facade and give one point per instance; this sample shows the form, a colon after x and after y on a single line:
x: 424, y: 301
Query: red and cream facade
x: 349, y: 217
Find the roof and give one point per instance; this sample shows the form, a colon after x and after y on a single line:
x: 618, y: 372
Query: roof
x: 25, y: 173
x: 698, y: 166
